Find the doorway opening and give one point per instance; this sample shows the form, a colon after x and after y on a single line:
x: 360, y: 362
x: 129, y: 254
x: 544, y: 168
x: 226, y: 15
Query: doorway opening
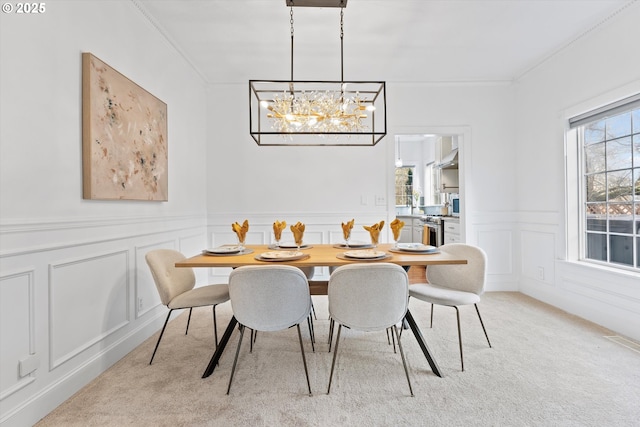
x: 426, y: 173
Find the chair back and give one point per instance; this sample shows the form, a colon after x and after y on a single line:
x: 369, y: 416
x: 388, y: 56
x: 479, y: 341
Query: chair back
x: 470, y: 277
x: 368, y: 297
x: 269, y: 297
x: 170, y: 281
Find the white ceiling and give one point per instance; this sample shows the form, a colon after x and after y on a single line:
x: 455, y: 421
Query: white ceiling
x: 390, y: 40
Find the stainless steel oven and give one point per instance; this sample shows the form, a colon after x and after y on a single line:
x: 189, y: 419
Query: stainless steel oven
x: 433, y: 231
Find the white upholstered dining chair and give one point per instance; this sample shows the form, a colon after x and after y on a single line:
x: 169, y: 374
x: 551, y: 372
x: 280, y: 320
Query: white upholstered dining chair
x: 308, y: 272
x: 269, y: 298
x: 368, y: 297
x: 456, y: 284
x: 176, y: 287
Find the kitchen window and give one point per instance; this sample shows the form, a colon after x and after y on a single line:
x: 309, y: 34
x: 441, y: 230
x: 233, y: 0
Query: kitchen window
x: 608, y: 142
x: 404, y: 186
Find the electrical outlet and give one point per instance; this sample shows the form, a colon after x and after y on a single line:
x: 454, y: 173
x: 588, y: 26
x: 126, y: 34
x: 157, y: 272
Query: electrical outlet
x: 28, y: 364
x: 140, y: 304
x: 540, y: 273
x: 381, y: 201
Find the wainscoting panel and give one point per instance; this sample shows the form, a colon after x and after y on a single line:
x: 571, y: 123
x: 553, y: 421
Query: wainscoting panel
x: 88, y: 301
x: 17, y: 308
x: 146, y: 294
x: 69, y: 302
x: 537, y: 256
x: 499, y: 247
x: 192, y: 244
x: 597, y: 290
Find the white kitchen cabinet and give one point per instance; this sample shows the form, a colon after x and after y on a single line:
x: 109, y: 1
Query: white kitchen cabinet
x: 452, y: 230
x: 417, y: 231
x: 406, y: 235
x: 412, y: 230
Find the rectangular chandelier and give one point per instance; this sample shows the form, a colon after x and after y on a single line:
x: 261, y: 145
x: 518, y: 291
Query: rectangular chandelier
x: 336, y: 113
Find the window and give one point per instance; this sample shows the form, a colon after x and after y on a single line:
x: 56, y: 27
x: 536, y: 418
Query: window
x: 609, y: 180
x: 404, y: 186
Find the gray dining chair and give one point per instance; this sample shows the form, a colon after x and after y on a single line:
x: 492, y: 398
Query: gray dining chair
x: 176, y: 287
x: 269, y: 298
x: 368, y: 297
x: 456, y: 284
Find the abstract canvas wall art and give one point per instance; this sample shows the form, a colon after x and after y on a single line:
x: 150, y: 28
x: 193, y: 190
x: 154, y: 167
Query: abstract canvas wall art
x: 124, y: 137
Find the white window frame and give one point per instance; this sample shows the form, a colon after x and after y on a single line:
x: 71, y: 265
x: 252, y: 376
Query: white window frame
x: 574, y: 179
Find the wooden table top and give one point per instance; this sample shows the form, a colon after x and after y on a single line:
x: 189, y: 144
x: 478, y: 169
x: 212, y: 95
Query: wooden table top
x: 321, y: 255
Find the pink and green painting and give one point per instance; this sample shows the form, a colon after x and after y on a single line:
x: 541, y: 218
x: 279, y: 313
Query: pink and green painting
x: 124, y: 137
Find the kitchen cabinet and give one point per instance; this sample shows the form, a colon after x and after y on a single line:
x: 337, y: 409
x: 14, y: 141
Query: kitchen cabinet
x: 412, y: 230
x: 417, y: 231
x: 452, y: 230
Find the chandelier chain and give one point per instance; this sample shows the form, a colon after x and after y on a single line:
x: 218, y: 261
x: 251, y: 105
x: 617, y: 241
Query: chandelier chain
x: 291, y: 22
x: 291, y: 18
x: 341, y: 41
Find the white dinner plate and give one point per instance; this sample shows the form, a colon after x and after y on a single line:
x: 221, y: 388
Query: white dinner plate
x: 224, y: 250
x: 292, y: 245
x: 416, y: 247
x: 357, y: 245
x: 353, y: 245
x: 365, y: 254
x: 282, y: 255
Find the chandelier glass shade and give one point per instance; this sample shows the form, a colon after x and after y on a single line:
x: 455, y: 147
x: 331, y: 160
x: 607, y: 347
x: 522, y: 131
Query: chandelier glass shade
x: 297, y: 112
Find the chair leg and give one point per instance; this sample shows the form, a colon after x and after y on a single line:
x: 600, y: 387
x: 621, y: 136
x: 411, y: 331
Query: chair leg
x: 335, y: 354
x: 482, y: 323
x: 215, y: 326
x: 404, y: 362
x: 252, y: 340
x: 188, y: 321
x: 311, y: 333
x: 393, y: 338
x: 405, y: 325
x: 235, y: 360
x: 312, y: 330
x: 160, y: 337
x: 459, y: 337
x: 431, y: 326
x: 330, y: 340
x: 304, y: 359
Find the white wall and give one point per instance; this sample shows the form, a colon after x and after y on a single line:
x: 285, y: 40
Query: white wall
x: 591, y: 72
x: 324, y: 186
x: 72, y: 271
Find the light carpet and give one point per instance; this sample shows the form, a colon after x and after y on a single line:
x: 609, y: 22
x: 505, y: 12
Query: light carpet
x: 546, y: 368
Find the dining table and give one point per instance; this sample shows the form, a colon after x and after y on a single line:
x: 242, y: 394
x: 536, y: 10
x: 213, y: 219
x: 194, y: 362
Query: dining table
x: 319, y: 255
